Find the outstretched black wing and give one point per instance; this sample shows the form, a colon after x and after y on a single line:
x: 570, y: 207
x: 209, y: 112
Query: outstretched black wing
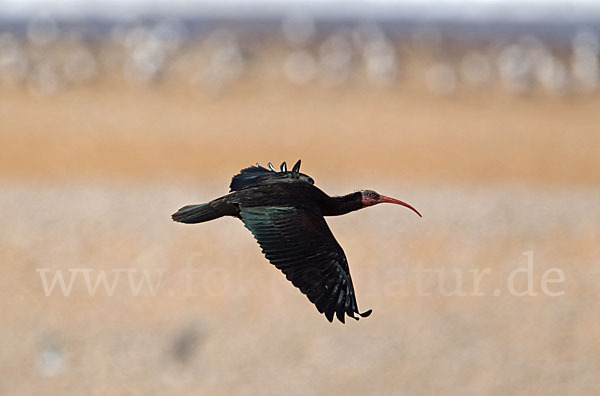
x: 257, y: 175
x: 298, y: 241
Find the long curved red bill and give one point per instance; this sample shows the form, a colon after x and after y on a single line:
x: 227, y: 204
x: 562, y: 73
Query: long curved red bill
x: 383, y: 198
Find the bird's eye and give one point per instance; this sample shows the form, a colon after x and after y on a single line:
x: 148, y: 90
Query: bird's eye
x: 373, y: 195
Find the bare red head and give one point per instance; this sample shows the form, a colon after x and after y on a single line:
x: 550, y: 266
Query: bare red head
x: 370, y: 198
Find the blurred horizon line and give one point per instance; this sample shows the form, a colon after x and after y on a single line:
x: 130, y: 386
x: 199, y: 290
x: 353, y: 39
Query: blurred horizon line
x: 557, y: 11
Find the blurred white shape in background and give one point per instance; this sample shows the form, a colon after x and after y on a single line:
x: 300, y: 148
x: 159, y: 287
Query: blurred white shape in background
x: 380, y: 62
x: 148, y: 48
x: 475, y: 69
x: 551, y: 73
x: 300, y: 67
x: 515, y: 68
x: 298, y: 29
x: 547, y: 70
x: 335, y: 59
x: 13, y: 61
x: 379, y: 55
x: 584, y: 63
x: 441, y: 79
x: 226, y: 62
x: 50, y: 360
x: 144, y: 56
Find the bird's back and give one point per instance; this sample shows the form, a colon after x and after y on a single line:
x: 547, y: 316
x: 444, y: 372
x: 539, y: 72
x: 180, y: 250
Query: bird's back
x: 259, y: 176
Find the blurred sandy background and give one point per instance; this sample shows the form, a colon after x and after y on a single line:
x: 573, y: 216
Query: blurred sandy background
x: 103, y: 136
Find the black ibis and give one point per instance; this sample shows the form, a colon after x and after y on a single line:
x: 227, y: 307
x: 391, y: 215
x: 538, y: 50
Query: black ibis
x: 284, y: 211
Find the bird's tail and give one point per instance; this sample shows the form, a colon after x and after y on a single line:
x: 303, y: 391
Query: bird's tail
x: 196, y: 214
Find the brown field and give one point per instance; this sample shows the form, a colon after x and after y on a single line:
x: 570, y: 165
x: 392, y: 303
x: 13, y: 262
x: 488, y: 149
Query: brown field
x: 175, y: 133
x: 90, y: 177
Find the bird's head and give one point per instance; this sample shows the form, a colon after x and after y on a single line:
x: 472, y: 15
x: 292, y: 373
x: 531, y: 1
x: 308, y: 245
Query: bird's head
x: 370, y: 198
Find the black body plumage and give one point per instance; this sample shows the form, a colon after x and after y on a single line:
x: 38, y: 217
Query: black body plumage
x: 284, y: 211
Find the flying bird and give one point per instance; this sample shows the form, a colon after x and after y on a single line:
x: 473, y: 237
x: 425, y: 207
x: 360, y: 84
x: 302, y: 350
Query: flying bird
x: 285, y: 213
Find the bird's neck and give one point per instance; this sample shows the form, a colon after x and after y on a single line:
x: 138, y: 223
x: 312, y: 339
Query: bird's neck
x: 335, y: 206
